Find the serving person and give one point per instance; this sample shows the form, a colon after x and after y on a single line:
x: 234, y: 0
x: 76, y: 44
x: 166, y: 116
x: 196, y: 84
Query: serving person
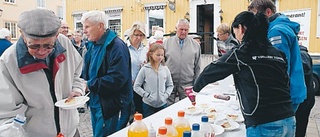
x: 260, y: 74
x: 41, y: 68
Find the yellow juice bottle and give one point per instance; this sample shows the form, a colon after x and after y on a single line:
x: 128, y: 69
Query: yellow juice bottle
x: 181, y: 124
x: 138, y: 128
x: 171, y: 130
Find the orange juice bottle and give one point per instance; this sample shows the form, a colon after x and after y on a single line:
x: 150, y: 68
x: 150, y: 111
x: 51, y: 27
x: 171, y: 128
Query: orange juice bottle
x: 138, y: 128
x: 162, y: 132
x: 171, y: 130
x: 181, y: 124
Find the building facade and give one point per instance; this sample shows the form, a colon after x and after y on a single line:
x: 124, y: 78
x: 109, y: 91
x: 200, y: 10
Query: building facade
x: 11, y: 9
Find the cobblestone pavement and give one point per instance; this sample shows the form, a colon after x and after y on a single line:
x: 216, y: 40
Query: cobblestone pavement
x: 85, y: 127
x: 313, y: 129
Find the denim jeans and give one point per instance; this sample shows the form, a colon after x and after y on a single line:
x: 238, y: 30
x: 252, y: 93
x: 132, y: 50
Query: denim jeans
x: 149, y: 110
x: 101, y: 127
x: 126, y: 111
x: 281, y: 128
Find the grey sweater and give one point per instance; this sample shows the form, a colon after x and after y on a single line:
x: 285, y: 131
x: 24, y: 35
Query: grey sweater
x: 184, y: 63
x: 154, y: 87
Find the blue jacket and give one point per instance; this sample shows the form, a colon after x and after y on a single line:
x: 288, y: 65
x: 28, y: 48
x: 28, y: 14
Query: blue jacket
x: 282, y: 34
x: 4, y: 44
x: 107, y: 70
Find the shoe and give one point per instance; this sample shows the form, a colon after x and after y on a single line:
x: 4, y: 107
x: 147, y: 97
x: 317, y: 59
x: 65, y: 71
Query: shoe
x: 81, y: 110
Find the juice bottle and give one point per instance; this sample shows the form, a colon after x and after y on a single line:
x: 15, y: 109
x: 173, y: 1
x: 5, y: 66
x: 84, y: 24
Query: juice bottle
x: 171, y: 130
x: 206, y: 127
x: 162, y: 132
x: 186, y: 134
x: 196, y: 130
x: 181, y: 124
x: 138, y: 128
x: 152, y: 132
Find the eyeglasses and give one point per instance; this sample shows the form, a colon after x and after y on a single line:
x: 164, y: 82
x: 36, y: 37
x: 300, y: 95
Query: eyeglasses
x: 221, y: 34
x: 63, y: 27
x: 138, y: 35
x: 37, y: 46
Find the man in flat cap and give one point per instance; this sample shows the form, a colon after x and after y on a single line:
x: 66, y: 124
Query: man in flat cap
x: 41, y: 68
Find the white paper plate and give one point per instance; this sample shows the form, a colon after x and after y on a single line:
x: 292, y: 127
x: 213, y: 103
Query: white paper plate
x: 218, y: 117
x: 234, y: 125
x: 218, y: 130
x: 197, y: 111
x: 217, y: 109
x: 239, y: 119
x: 203, y: 105
x: 81, y: 100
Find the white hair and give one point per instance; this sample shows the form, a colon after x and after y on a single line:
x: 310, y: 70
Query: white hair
x: 182, y: 21
x: 4, y: 32
x: 158, y: 35
x: 95, y: 16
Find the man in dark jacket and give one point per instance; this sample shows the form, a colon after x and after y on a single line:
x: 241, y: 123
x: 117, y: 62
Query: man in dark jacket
x: 303, y: 112
x: 107, y: 70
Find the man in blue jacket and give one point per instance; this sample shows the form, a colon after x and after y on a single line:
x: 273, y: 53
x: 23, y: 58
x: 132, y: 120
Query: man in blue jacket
x: 107, y: 70
x: 5, y: 37
x: 282, y: 34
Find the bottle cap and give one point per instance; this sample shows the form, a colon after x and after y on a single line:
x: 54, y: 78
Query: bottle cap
x: 137, y: 116
x: 204, y: 119
x: 181, y: 113
x: 186, y: 134
x: 20, y: 119
x: 168, y: 120
x: 162, y: 130
x: 195, y: 127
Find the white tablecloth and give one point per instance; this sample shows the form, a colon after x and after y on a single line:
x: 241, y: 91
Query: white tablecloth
x: 205, y: 96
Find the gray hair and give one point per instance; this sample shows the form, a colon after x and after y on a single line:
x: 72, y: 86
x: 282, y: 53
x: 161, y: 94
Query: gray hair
x: 4, y: 32
x: 182, y: 21
x: 95, y: 16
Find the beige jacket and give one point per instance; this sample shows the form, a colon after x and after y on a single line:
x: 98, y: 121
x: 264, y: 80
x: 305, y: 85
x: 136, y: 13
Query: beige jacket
x: 29, y: 93
x: 184, y: 63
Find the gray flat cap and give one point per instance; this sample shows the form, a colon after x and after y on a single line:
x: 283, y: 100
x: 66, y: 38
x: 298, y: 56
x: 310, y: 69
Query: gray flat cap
x: 39, y: 23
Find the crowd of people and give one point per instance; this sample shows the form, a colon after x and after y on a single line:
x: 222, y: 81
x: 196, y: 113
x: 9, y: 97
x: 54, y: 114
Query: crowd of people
x: 272, y: 73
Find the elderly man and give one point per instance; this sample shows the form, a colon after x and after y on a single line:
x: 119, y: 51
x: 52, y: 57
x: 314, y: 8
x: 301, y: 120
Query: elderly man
x: 108, y: 71
x: 36, y: 71
x: 5, y: 37
x: 183, y: 59
x: 64, y: 29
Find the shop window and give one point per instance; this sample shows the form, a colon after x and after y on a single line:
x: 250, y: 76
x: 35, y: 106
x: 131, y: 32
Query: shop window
x: 10, y: 1
x: 41, y: 3
x: 155, y: 20
x: 12, y: 26
x: 115, y: 25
